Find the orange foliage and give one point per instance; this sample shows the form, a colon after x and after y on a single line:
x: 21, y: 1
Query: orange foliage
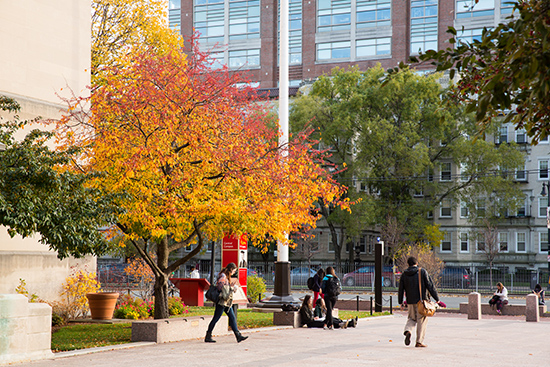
x: 182, y: 144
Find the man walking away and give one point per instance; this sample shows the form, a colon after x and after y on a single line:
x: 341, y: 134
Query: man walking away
x: 409, y: 284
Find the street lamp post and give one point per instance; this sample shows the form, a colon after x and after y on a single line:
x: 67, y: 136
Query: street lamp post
x: 546, y: 186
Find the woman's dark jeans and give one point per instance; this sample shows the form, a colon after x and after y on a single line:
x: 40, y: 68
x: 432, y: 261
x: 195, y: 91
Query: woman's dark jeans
x: 218, y: 313
x: 329, y: 303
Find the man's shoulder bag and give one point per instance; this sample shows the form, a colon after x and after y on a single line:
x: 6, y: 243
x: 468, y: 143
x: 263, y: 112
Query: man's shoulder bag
x: 425, y: 307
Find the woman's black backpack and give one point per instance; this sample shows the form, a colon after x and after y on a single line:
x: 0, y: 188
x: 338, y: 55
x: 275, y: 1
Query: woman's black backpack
x: 333, y: 287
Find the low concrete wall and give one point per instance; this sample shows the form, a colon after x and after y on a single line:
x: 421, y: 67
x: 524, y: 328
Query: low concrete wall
x: 509, y: 309
x: 176, y: 329
x: 25, y: 329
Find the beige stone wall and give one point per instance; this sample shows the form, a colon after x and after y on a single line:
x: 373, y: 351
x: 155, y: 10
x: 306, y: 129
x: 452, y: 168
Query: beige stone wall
x: 45, y: 47
x: 45, y: 56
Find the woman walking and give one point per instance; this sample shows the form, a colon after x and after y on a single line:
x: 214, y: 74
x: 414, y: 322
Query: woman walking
x: 224, y: 304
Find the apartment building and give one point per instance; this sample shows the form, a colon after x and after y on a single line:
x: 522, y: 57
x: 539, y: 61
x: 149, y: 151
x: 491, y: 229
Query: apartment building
x: 324, y: 34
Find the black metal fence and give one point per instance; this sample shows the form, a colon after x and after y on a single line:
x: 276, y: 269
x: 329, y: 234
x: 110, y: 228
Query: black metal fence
x: 354, y: 277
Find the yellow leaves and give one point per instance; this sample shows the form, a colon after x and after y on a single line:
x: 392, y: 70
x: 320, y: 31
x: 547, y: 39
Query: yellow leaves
x: 74, y: 290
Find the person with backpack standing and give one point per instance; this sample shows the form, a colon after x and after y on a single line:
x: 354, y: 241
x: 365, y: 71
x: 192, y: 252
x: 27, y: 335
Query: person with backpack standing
x: 330, y: 287
x: 316, y: 286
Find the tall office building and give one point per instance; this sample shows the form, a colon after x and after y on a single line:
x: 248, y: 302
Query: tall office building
x: 328, y: 33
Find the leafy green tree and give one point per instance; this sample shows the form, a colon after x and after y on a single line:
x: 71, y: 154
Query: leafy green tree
x: 398, y: 139
x: 38, y: 196
x: 507, y: 69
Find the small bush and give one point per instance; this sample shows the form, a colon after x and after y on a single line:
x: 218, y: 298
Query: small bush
x: 176, y: 306
x: 60, y: 314
x: 131, y: 308
x: 22, y: 289
x: 75, y: 288
x: 255, y: 288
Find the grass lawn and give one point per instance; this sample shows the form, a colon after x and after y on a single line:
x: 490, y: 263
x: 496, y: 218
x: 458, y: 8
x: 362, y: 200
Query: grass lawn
x: 81, y: 336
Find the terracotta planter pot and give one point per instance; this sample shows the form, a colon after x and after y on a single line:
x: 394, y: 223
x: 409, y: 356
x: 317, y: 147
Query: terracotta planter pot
x: 102, y: 305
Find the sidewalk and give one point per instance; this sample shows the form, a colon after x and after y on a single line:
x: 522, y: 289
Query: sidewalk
x: 452, y: 340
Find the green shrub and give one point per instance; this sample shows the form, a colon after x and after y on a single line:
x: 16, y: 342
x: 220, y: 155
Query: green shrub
x: 131, y: 308
x: 176, y: 306
x: 255, y: 288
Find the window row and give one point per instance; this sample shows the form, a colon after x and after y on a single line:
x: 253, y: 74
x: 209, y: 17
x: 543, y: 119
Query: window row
x: 501, y: 242
x: 363, y: 49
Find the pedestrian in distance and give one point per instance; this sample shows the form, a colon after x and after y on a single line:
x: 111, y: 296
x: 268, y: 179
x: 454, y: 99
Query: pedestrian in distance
x: 330, y: 286
x: 194, y: 273
x: 409, y: 284
x: 500, y: 298
x: 317, y: 279
x: 540, y: 293
x: 224, y: 304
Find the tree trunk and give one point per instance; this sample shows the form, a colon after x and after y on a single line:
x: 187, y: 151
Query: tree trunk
x: 161, y: 297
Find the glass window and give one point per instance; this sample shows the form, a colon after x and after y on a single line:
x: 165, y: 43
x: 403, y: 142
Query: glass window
x: 242, y: 58
x: 503, y: 242
x: 543, y: 169
x: 521, y: 175
x: 244, y: 19
x: 469, y: 35
x: 464, y: 244
x: 445, y: 209
x: 463, y: 172
x: 522, y: 209
x: 474, y: 8
x: 209, y: 20
x: 446, y: 171
x: 521, y: 245
x: 373, y: 47
x: 446, y: 244
x: 543, y: 204
x: 506, y: 6
x: 373, y: 13
x: 333, y: 15
x: 174, y: 14
x: 480, y: 208
x: 521, y: 136
x: 503, y: 138
x: 333, y: 50
x: 543, y: 242
x: 423, y: 25
x: 464, y: 211
x: 480, y: 246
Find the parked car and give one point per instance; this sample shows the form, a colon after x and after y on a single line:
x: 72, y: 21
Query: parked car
x: 453, y: 277
x: 364, y: 277
x: 299, y: 276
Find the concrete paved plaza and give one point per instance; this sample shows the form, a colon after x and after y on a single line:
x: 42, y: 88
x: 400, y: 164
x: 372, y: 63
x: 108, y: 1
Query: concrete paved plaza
x: 452, y: 340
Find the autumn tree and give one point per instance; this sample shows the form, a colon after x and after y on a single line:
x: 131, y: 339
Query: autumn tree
x: 120, y: 27
x: 505, y: 71
x: 192, y: 158
x: 37, y: 195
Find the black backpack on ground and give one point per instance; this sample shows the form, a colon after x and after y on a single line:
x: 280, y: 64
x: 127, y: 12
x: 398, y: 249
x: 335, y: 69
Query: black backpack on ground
x: 310, y: 283
x: 333, y: 287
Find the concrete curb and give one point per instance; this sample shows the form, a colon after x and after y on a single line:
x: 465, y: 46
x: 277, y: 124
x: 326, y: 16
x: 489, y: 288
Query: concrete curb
x: 107, y: 348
